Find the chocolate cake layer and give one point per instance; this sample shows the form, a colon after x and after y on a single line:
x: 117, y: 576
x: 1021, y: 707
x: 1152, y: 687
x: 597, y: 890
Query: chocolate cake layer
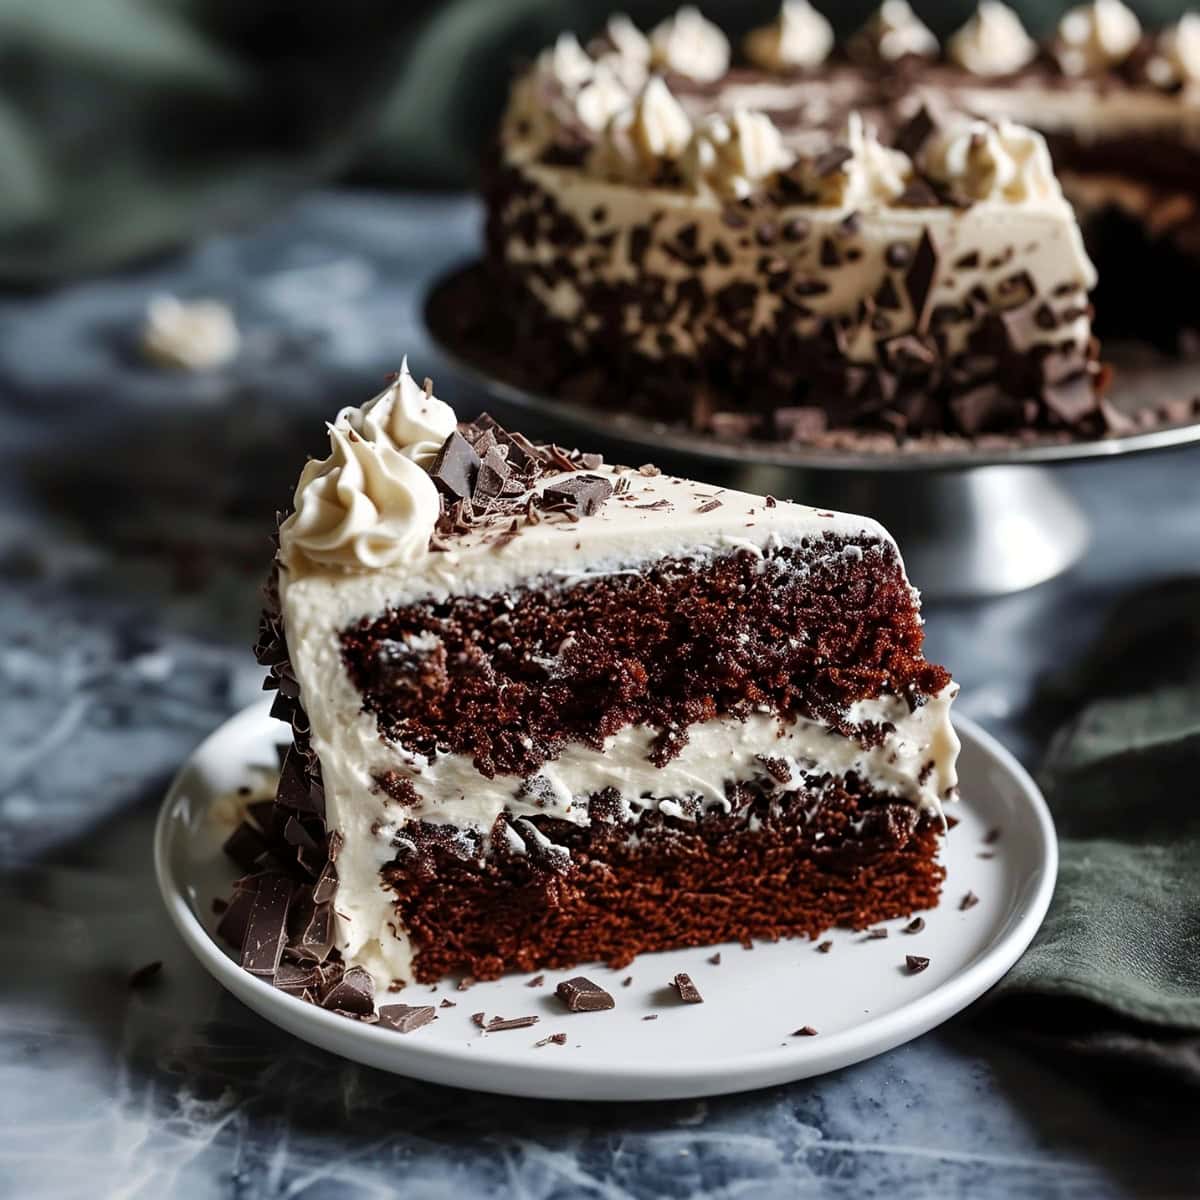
x: 509, y: 679
x: 781, y: 864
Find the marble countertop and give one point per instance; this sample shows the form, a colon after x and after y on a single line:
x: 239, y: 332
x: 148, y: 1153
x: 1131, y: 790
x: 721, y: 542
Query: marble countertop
x: 134, y: 510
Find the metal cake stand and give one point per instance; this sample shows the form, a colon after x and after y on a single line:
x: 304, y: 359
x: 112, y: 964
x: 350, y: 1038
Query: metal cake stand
x: 971, y: 518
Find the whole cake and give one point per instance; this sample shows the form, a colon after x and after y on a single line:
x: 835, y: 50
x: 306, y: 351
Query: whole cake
x: 871, y: 236
x: 547, y: 711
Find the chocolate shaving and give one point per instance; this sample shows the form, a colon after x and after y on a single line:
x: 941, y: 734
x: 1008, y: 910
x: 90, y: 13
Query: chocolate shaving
x: 824, y: 947
x: 582, y: 995
x: 968, y: 901
x: 536, y: 981
x: 555, y: 1039
x: 915, y: 963
x: 353, y: 993
x: 456, y: 467
x: 874, y: 935
x: 404, y: 1018
x: 146, y: 975
x: 915, y: 925
x: 804, y: 1031
x: 502, y: 1024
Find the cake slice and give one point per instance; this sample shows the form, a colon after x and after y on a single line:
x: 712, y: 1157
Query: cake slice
x: 547, y: 711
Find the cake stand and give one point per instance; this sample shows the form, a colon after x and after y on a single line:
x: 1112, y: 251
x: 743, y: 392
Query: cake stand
x: 971, y: 518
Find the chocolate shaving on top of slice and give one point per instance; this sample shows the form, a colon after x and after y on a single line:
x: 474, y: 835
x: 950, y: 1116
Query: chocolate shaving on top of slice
x: 456, y: 467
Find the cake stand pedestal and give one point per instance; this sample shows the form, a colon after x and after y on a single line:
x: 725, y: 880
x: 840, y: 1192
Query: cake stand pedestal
x: 971, y: 519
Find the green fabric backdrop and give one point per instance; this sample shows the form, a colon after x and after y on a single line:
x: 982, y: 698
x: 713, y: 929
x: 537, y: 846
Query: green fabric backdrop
x: 131, y: 126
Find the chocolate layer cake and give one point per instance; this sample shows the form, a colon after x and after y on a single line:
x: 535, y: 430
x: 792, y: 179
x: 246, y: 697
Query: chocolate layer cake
x: 871, y: 236
x: 549, y: 711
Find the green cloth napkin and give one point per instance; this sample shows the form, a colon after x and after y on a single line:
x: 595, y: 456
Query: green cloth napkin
x: 1114, y: 973
x: 128, y: 127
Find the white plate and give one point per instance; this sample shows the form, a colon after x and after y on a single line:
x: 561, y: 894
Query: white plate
x: 859, y: 997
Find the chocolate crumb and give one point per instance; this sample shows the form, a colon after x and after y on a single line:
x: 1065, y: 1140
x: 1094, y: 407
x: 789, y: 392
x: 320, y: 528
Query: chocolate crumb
x: 985, y: 854
x: 915, y: 963
x: 915, y: 925
x: 479, y: 1018
x: 146, y: 975
x: 448, y: 1004
x: 804, y: 1031
x: 951, y: 823
x: 582, y: 995
x: 968, y: 901
x: 555, y: 1039
x: 689, y: 993
x: 709, y: 507
x: 650, y: 1017
x: 873, y: 935
x: 536, y: 981
x: 715, y: 959
x: 824, y: 947
x: 627, y: 981
x: 465, y: 982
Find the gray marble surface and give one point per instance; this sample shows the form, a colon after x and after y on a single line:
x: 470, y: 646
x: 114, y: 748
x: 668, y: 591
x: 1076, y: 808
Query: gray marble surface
x: 134, y: 509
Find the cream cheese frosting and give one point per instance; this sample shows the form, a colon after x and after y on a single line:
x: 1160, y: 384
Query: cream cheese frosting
x: 799, y: 37
x: 730, y: 154
x: 892, y: 33
x: 992, y: 42
x: 371, y: 503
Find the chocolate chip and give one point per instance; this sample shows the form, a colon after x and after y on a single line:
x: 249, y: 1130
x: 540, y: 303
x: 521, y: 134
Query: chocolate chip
x: 968, y: 261
x: 689, y: 993
x: 915, y: 963
x: 456, y: 467
x: 582, y: 995
x: 297, y: 977
x: 797, y: 229
x: 404, y: 1018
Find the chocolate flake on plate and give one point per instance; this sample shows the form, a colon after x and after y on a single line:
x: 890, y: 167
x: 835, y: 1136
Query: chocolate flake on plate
x: 556, y: 1039
x: 536, y: 981
x: 824, y: 947
x: 804, y: 1031
x: 715, y: 959
x: 144, y: 976
x: 266, y: 931
x: 689, y: 993
x: 582, y: 995
x: 968, y: 901
x: 915, y: 925
x: 915, y: 963
x: 500, y: 1024
x: 404, y: 1018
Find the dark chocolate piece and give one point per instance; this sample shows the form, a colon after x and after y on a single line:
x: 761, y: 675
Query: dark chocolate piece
x: 915, y: 963
x: 582, y: 995
x: 502, y: 1024
x: 804, y: 1031
x: 536, y: 981
x: 920, y: 278
x: 404, y: 1018
x: 689, y: 993
x: 968, y: 901
x: 354, y: 993
x: 715, y: 959
x: 915, y: 925
x: 456, y: 467
x: 582, y: 495
x: 266, y: 931
x: 824, y: 947
x: 914, y: 133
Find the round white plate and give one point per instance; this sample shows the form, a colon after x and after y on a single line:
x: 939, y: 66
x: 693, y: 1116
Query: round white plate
x: 859, y: 997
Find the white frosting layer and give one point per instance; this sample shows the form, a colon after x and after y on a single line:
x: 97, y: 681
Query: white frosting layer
x: 1177, y: 57
x: 1094, y: 37
x: 371, y: 504
x: 992, y: 42
x: 800, y: 37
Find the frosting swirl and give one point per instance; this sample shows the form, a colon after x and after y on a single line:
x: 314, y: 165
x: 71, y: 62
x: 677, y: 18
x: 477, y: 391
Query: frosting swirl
x: 893, y: 33
x: 992, y: 42
x: 1004, y: 161
x: 869, y: 173
x: 731, y: 152
x: 1177, y: 54
x: 800, y: 37
x: 638, y: 140
x: 371, y: 504
x: 624, y: 50
x: 690, y: 45
x: 1094, y: 37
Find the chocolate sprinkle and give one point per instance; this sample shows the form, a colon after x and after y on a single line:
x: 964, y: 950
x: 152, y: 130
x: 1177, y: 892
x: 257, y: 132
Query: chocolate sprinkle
x: 353, y: 993
x: 582, y: 995
x: 689, y: 993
